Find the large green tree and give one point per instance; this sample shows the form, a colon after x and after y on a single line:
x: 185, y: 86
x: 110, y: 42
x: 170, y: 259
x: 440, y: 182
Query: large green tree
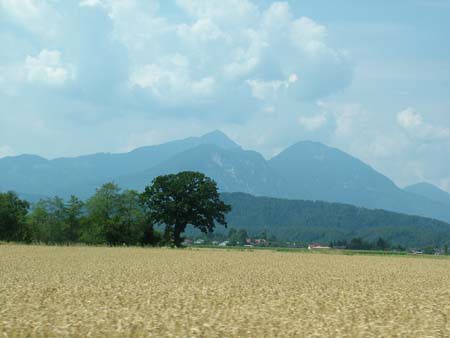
x: 114, y: 217
x: 131, y: 223
x: 52, y: 220
x: 74, y: 211
x: 177, y: 200
x: 47, y: 220
x: 103, y: 210
x: 237, y: 237
x: 13, y: 213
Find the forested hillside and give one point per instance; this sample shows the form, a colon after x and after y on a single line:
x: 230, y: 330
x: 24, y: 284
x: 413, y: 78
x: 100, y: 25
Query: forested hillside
x: 315, y: 221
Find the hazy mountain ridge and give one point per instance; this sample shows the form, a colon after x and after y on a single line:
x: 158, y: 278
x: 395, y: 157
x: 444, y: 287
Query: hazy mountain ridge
x: 35, y: 175
x: 232, y: 169
x: 318, y: 172
x: 329, y: 172
x: 430, y: 191
x: 306, y: 170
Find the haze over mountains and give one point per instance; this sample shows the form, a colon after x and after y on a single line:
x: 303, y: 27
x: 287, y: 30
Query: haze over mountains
x: 431, y: 192
x: 305, y: 170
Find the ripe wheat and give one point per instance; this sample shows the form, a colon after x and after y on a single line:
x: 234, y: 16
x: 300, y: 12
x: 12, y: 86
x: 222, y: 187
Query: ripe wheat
x: 134, y: 292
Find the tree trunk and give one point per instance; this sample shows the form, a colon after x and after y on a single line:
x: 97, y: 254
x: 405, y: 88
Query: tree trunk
x: 177, y: 236
x: 177, y: 239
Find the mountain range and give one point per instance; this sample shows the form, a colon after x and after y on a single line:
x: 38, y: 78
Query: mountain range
x: 306, y: 170
x: 431, y: 192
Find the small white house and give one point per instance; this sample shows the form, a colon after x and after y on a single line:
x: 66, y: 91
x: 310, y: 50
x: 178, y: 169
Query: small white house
x: 317, y: 246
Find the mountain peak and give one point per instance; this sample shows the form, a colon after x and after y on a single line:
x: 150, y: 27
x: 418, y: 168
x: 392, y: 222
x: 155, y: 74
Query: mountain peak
x: 429, y: 191
x: 311, y: 149
x: 309, y: 144
x: 317, y: 171
x: 219, y: 138
x: 423, y: 185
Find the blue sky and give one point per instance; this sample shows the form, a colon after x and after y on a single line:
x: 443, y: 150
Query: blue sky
x: 369, y: 77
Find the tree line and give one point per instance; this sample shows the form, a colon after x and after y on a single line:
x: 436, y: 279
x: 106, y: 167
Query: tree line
x: 161, y: 214
x: 358, y: 243
x: 118, y: 217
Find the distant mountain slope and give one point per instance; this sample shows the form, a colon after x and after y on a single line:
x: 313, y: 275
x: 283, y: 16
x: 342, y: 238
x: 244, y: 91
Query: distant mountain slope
x: 105, y: 166
x: 430, y: 191
x: 306, y: 170
x: 35, y: 175
x: 81, y: 175
x: 233, y: 170
x: 308, y: 221
x: 317, y: 172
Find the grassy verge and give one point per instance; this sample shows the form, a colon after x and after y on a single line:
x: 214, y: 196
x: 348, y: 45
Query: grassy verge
x: 320, y: 251
x: 250, y: 249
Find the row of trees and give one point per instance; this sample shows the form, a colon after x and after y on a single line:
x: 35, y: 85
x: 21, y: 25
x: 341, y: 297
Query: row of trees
x: 13, y: 218
x: 110, y: 216
x: 358, y: 243
x: 115, y: 217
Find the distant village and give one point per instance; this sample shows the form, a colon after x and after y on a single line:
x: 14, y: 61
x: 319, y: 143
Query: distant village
x: 240, y: 238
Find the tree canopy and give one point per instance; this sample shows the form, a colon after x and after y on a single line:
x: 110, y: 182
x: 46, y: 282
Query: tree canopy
x: 13, y: 212
x: 177, y: 200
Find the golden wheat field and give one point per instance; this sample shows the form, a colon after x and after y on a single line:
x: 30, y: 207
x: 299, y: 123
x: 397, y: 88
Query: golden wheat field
x: 134, y: 292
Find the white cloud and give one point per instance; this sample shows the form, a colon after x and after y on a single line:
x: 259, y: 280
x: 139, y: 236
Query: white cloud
x: 224, y: 12
x: 405, y: 150
x: 46, y: 67
x: 173, y: 81
x: 136, y: 25
x: 242, y: 65
x: 312, y: 123
x: 265, y: 90
x: 346, y: 120
x: 417, y: 127
x: 269, y: 90
x: 21, y: 9
x: 305, y: 29
x: 348, y: 117
x: 384, y: 145
x: 36, y: 16
x: 408, y: 119
x: 245, y: 55
x: 354, y: 129
x: 6, y: 150
x: 203, y: 30
x: 309, y: 36
x: 299, y: 45
x: 232, y: 42
x: 277, y: 18
x: 89, y: 3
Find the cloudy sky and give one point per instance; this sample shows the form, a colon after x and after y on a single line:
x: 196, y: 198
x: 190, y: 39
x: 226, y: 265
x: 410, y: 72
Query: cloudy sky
x: 369, y: 77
